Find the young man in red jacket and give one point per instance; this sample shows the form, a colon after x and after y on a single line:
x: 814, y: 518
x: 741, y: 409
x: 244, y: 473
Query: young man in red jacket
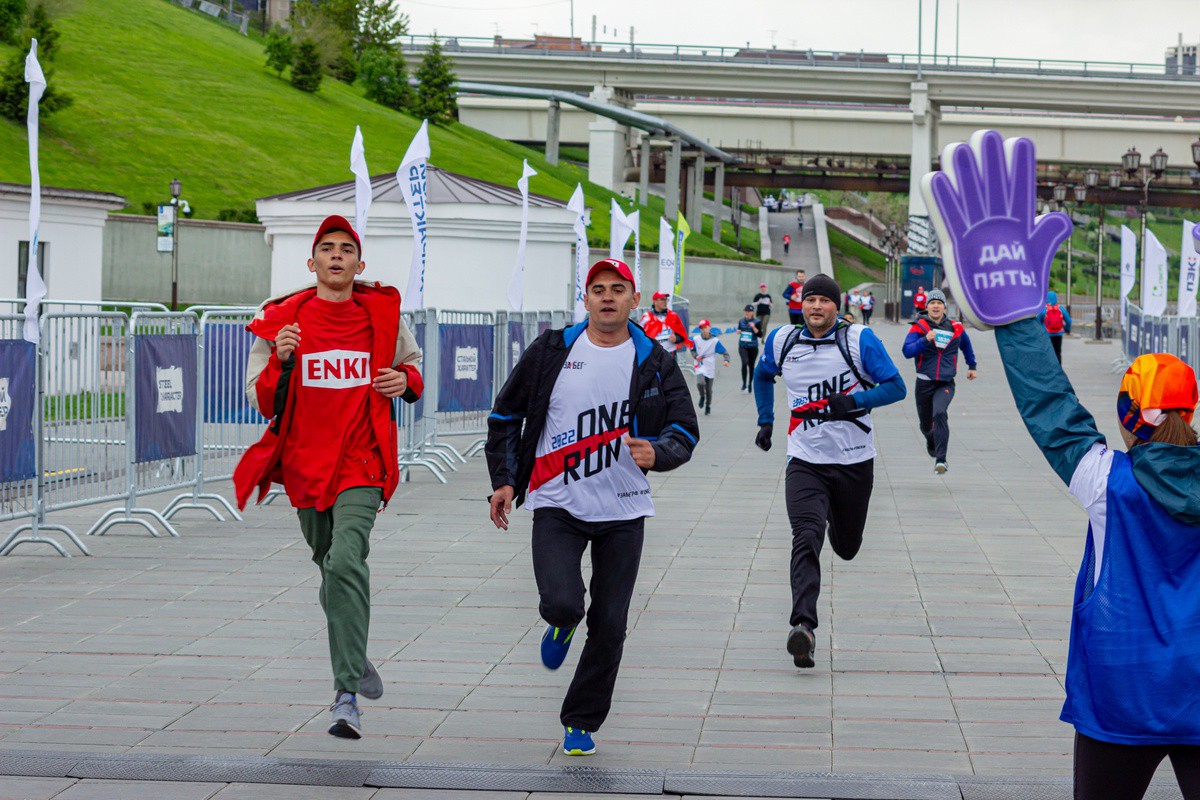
x: 792, y: 295
x: 325, y: 367
x: 664, y: 325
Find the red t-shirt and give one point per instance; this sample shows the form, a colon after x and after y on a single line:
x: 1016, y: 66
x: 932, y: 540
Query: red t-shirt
x: 330, y: 439
x: 919, y: 301
x: 795, y: 302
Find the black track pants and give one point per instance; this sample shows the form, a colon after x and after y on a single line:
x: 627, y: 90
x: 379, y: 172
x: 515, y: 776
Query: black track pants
x: 1105, y: 771
x: 933, y: 405
x: 559, y: 540
x: 820, y: 496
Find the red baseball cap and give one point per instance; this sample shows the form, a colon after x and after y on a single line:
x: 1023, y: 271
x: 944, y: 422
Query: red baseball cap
x: 705, y: 324
x: 336, y: 223
x: 661, y: 296
x: 617, y: 266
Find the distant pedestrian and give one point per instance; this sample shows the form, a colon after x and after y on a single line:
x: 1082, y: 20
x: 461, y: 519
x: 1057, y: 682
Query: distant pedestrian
x: 326, y: 364
x: 868, y: 307
x: 855, y: 303
x: 834, y: 375
x: 934, y: 342
x: 919, y: 301
x: 705, y: 350
x: 787, y: 242
x: 748, y: 347
x: 792, y: 295
x: 559, y: 436
x: 762, y: 309
x: 800, y: 217
x: 1057, y: 321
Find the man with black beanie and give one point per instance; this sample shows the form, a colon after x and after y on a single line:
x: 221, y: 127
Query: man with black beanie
x: 835, y: 374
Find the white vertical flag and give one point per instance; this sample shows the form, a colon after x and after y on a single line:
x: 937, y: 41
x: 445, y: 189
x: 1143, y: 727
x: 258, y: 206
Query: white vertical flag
x: 666, y: 258
x: 1154, y: 282
x: 619, y: 233
x: 582, y: 252
x: 35, y: 287
x: 1189, y: 272
x: 362, y: 183
x: 413, y: 185
x: 516, y: 284
x: 634, y: 221
x: 1128, y: 267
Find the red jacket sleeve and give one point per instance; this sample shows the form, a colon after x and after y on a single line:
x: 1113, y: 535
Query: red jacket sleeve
x: 416, y: 384
x: 677, y: 325
x: 268, y: 384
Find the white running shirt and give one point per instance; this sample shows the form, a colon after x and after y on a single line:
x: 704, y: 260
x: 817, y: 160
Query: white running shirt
x: 582, y: 465
x: 706, y: 355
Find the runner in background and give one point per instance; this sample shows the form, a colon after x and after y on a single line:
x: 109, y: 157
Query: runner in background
x: 1057, y: 321
x: 664, y: 325
x: 792, y: 295
x: 748, y: 335
x: 762, y: 309
x: 919, y: 301
x: 868, y: 307
x: 705, y: 351
x: 787, y: 242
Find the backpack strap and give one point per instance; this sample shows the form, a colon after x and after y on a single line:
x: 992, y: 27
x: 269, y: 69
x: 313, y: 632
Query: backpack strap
x: 842, y: 336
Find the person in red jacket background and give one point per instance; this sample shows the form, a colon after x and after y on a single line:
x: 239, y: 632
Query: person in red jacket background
x: 792, y: 294
x: 325, y: 366
x: 664, y: 325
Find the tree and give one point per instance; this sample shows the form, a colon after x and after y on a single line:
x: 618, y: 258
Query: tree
x: 14, y: 91
x: 12, y: 17
x: 386, y: 78
x: 42, y: 28
x: 281, y: 50
x: 345, y: 66
x: 306, y: 68
x: 436, y: 98
x: 380, y: 24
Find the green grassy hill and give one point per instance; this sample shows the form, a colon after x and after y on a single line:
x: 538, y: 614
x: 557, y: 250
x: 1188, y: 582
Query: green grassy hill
x: 162, y: 92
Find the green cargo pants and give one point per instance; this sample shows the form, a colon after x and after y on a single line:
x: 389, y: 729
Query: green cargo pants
x: 340, y: 542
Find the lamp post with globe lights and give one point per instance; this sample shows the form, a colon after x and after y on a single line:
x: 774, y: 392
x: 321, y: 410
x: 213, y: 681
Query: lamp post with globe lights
x: 1131, y: 162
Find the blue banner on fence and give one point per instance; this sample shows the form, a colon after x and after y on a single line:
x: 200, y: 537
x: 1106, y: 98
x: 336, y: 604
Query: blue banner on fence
x: 1133, y: 334
x: 419, y: 335
x: 226, y: 351
x: 165, y: 376
x: 18, y: 397
x: 516, y: 343
x: 465, y: 367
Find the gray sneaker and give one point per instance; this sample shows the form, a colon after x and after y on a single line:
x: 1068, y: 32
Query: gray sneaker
x: 370, y: 685
x: 345, y: 723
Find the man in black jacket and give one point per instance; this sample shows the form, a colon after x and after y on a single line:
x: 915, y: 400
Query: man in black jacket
x: 587, y: 411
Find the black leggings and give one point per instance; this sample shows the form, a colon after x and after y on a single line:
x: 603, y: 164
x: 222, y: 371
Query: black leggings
x: 933, y: 405
x: 559, y: 540
x: 748, y: 355
x: 820, y: 496
x: 1105, y: 771
x: 1056, y: 343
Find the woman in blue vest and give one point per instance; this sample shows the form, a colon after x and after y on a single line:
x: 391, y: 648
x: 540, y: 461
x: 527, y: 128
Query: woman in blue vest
x: 1133, y: 669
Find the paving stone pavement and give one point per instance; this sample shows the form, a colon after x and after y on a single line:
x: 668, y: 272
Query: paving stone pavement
x: 941, y: 647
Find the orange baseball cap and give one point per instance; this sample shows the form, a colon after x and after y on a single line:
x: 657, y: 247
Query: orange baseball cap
x: 1154, y: 384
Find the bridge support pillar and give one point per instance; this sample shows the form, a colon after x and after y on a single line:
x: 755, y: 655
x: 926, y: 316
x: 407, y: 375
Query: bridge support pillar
x: 607, y: 142
x: 925, y: 116
x: 553, y: 114
x: 644, y: 171
x: 696, y: 201
x: 671, y: 187
x: 719, y: 198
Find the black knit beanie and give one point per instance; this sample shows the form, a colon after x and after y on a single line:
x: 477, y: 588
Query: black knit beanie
x: 823, y: 286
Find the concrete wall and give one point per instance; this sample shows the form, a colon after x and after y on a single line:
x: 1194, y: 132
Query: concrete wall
x: 227, y: 263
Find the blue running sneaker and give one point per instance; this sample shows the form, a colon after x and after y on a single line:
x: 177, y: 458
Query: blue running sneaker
x: 555, y: 644
x: 577, y: 742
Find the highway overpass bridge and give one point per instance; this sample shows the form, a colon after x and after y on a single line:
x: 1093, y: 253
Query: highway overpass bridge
x: 1080, y: 113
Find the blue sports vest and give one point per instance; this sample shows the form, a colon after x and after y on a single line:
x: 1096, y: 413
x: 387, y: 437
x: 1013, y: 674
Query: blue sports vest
x: 1133, y: 669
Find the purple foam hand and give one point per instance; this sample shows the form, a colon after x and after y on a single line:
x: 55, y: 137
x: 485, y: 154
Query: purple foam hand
x: 996, y: 251
x: 1196, y: 235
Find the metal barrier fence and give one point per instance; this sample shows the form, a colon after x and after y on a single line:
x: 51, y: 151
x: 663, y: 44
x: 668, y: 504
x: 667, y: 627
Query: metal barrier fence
x: 1167, y: 334
x: 111, y: 407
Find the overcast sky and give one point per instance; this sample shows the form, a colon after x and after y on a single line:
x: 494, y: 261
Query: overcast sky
x: 1113, y: 30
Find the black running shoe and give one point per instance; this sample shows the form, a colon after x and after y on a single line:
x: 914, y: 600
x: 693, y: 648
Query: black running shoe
x: 802, y: 644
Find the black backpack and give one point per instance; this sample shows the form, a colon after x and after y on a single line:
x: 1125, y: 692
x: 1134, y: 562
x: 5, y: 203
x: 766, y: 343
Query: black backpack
x: 841, y: 338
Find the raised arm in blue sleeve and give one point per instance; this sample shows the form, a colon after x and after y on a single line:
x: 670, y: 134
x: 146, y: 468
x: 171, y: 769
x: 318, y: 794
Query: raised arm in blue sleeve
x: 1053, y: 415
x: 968, y: 351
x: 765, y: 372
x: 1066, y: 320
x: 889, y: 386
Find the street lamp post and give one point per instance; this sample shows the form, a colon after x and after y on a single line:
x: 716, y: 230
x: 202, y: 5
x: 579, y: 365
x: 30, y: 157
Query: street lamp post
x: 176, y: 190
x: 1132, y: 163
x: 1060, y: 197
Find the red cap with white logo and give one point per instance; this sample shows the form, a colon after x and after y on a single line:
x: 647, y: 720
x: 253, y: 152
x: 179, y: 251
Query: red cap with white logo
x: 617, y: 266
